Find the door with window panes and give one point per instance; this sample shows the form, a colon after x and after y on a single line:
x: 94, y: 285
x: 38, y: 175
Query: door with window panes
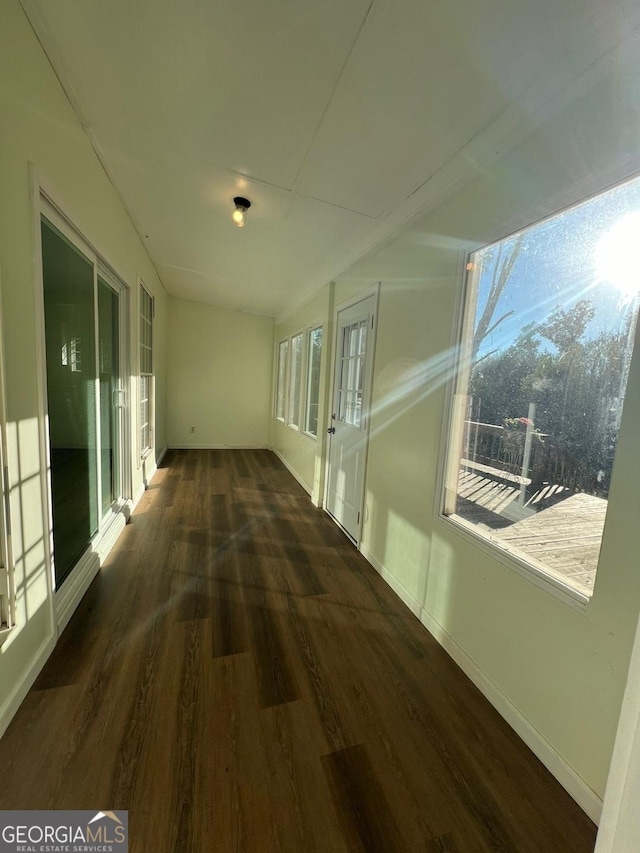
x: 348, y: 431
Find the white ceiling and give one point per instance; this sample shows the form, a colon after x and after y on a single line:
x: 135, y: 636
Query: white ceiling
x: 338, y: 120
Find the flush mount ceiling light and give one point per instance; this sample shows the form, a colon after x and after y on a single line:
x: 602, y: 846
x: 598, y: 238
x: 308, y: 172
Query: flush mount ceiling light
x: 238, y: 215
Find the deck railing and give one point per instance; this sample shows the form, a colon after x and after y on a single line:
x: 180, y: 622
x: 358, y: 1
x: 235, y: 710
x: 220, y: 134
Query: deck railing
x: 534, y: 462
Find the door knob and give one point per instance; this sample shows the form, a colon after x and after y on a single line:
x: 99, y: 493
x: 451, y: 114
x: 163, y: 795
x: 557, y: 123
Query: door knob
x: 331, y: 430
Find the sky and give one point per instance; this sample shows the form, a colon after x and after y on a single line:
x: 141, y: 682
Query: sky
x: 588, y: 252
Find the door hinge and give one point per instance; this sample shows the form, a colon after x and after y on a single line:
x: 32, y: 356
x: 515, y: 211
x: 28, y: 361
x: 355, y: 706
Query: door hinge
x: 372, y: 321
x: 358, y: 521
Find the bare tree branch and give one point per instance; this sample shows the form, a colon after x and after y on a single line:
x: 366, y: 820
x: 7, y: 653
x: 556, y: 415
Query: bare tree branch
x: 502, y: 271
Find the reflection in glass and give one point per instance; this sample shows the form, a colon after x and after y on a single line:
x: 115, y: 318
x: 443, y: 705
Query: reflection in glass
x: 71, y: 388
x: 108, y: 336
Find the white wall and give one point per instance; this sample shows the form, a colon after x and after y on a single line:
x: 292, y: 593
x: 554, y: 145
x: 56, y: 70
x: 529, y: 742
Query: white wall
x: 38, y: 125
x: 219, y: 376
x: 558, y: 673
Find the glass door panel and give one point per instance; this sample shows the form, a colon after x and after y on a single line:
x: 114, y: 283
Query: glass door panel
x: 109, y: 373
x: 69, y: 309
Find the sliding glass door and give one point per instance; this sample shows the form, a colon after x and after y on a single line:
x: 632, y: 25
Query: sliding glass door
x: 109, y: 376
x: 82, y: 332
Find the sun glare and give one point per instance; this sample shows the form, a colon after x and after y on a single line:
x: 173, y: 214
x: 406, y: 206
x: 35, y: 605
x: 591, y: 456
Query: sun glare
x: 616, y: 256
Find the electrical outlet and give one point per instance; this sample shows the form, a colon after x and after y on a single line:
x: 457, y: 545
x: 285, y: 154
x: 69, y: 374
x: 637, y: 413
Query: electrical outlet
x: 192, y: 429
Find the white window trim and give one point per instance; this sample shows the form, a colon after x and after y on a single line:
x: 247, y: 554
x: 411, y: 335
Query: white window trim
x: 62, y: 602
x: 145, y: 452
x: 289, y: 422
x: 285, y: 382
x: 525, y: 568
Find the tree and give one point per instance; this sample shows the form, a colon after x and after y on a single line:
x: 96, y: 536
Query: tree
x: 564, y: 328
x: 577, y: 386
x: 507, y: 256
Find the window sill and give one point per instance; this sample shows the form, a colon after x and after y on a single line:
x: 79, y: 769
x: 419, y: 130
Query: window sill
x: 310, y: 435
x: 530, y: 570
x: 4, y: 633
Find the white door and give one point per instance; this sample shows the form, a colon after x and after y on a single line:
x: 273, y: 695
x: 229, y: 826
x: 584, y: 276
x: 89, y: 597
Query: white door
x: 349, y: 430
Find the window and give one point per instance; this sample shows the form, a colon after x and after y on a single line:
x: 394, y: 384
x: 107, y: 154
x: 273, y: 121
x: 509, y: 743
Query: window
x: 295, y: 376
x: 354, y: 344
x: 314, y: 357
x: 298, y: 380
x: 546, y: 346
x: 146, y: 369
x: 281, y: 390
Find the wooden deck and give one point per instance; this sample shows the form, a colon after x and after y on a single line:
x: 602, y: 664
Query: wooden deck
x: 556, y: 526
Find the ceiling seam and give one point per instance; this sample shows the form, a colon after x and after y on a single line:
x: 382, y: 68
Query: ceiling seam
x: 71, y: 97
x: 333, y: 91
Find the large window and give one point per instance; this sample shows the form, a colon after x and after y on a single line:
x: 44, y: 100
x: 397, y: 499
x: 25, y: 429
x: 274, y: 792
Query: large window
x: 146, y: 370
x: 298, y: 381
x: 546, y: 346
x: 314, y: 358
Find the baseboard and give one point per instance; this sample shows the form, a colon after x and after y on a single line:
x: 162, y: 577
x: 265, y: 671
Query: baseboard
x: 162, y: 455
x: 18, y: 694
x: 574, y: 784
x: 138, y: 496
x: 112, y: 533
x: 292, y: 471
x: 75, y: 587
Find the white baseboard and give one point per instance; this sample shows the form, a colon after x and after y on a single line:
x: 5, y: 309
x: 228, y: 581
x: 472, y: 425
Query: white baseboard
x: 292, y: 471
x: 162, y: 455
x: 574, y: 784
x: 74, y: 588
x: 19, y: 692
x: 137, y: 497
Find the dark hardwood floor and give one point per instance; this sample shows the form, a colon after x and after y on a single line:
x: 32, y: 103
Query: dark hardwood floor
x: 240, y: 679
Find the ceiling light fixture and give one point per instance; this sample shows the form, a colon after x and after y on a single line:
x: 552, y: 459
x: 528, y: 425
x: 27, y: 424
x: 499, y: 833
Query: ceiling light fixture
x: 238, y: 215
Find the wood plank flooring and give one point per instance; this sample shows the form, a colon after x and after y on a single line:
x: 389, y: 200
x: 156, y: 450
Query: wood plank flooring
x: 240, y: 679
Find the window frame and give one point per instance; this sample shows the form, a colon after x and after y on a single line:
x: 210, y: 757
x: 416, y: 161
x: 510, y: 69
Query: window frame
x: 307, y: 400
x: 281, y: 391
x: 283, y: 382
x: 456, y: 396
x: 146, y: 377
x: 291, y: 379
x: 451, y: 435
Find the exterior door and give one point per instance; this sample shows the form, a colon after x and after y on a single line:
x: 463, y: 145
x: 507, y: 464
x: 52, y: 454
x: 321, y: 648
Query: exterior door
x: 349, y: 430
